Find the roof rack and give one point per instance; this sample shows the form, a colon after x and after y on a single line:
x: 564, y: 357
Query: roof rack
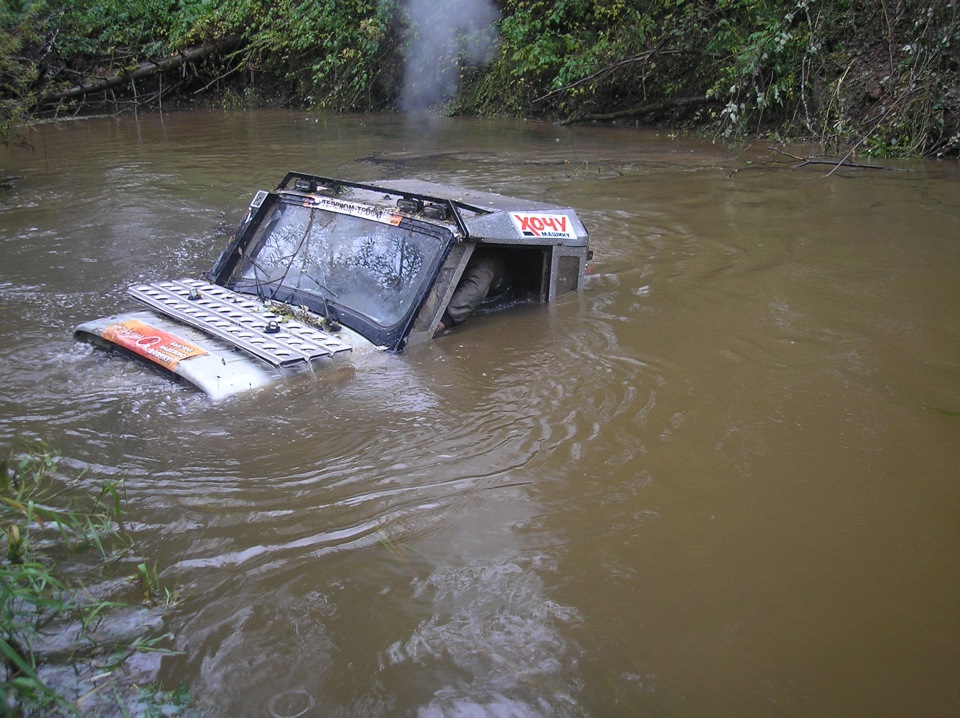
x: 337, y: 184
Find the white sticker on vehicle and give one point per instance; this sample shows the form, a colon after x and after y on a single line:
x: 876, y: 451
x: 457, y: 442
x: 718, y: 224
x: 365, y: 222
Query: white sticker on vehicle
x: 356, y: 210
x: 543, y: 226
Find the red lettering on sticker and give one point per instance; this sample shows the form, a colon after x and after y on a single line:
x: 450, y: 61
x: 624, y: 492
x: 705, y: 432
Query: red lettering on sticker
x: 537, y: 224
x: 557, y: 224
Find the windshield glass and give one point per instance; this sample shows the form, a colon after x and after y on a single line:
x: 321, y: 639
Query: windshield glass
x: 316, y: 257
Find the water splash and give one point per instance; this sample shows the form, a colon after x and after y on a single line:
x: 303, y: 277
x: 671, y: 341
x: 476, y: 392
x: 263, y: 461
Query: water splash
x: 444, y: 35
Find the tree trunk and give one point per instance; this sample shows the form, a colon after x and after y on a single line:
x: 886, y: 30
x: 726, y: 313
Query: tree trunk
x: 144, y: 69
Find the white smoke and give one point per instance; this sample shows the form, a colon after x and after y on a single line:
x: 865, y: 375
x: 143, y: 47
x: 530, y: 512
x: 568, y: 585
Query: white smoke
x: 443, y: 34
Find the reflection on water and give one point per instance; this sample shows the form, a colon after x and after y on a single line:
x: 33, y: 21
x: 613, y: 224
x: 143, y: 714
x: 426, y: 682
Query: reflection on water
x: 721, y: 481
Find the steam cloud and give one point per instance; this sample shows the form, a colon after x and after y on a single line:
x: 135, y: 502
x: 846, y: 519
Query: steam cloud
x: 443, y: 33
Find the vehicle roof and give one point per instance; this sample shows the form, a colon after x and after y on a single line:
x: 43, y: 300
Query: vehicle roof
x: 488, y: 201
x: 476, y: 215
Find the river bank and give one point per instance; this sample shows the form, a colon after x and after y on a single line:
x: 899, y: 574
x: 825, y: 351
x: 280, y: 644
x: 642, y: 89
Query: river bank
x: 872, y: 78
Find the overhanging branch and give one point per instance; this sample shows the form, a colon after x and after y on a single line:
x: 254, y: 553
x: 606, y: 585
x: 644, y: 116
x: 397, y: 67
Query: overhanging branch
x: 144, y: 69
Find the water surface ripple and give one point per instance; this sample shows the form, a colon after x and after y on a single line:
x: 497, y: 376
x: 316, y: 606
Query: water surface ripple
x: 720, y: 481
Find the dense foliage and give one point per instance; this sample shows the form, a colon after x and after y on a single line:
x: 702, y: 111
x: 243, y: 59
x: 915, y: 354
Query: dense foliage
x: 881, y: 75
x: 885, y: 75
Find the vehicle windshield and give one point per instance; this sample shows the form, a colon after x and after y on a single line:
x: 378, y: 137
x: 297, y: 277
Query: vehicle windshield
x: 317, y: 257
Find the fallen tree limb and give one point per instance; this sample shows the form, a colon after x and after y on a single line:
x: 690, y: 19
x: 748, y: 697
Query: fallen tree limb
x: 144, y: 69
x: 836, y: 164
x: 641, y: 110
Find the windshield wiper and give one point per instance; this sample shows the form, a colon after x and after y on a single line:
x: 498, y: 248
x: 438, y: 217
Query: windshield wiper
x: 294, y: 255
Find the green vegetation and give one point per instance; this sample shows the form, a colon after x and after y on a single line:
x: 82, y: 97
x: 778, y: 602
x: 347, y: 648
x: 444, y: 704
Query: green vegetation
x: 59, y: 549
x: 882, y: 77
x: 19, y: 26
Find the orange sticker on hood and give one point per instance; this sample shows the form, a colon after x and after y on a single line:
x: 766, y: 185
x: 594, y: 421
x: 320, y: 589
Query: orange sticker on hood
x: 151, y: 343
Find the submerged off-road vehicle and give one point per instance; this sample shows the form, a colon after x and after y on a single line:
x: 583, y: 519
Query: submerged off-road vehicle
x: 323, y: 269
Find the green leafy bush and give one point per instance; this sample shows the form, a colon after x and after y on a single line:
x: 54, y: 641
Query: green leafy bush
x: 21, y: 23
x: 333, y: 53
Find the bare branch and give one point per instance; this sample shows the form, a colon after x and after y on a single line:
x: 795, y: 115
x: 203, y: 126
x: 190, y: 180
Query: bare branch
x: 642, y: 57
x: 642, y: 109
x: 836, y: 164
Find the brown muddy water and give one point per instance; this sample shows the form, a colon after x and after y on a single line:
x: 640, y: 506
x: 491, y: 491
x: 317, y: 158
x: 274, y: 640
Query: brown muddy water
x: 724, y: 480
